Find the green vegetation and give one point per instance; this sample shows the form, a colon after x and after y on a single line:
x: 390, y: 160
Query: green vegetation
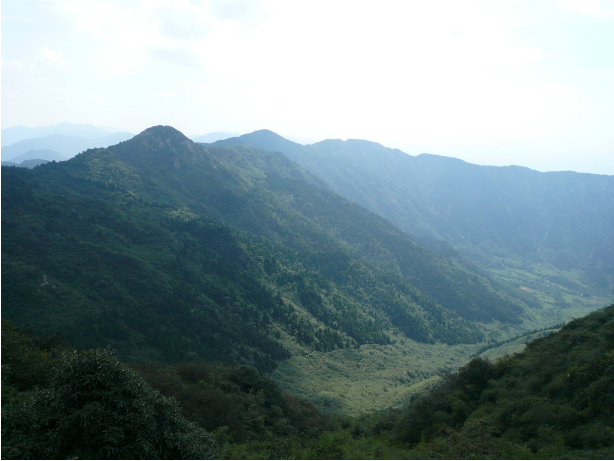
x: 60, y: 403
x: 170, y: 251
x: 562, y: 294
x: 496, y: 216
x: 89, y: 406
x: 552, y: 401
x: 370, y: 378
x: 262, y: 315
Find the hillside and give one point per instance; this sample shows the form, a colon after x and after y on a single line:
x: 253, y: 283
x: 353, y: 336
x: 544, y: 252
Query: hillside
x: 546, y: 233
x: 167, y: 249
x: 553, y: 400
x: 550, y: 402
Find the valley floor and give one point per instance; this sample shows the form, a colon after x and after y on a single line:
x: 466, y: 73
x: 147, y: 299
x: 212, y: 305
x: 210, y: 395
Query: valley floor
x: 376, y: 377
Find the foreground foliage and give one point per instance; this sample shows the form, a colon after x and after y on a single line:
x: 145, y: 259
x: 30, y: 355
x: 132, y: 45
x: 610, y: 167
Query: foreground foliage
x: 94, y: 407
x: 553, y: 401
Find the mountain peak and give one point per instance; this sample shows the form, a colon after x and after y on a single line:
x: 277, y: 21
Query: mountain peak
x: 164, y: 131
x: 266, y: 132
x: 265, y: 140
x: 161, y: 143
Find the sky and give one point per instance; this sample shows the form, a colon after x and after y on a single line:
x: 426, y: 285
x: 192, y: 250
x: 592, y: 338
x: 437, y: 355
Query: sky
x: 514, y: 82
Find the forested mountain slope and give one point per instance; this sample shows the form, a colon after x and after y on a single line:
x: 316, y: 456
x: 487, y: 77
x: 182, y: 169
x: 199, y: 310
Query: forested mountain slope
x: 553, y: 400
x: 492, y: 214
x: 167, y: 249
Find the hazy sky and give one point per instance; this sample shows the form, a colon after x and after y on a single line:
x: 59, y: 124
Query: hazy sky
x: 492, y: 82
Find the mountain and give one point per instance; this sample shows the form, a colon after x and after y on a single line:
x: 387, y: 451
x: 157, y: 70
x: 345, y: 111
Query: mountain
x: 43, y: 154
x: 266, y: 140
x: 214, y: 136
x: 15, y: 134
x: 27, y: 163
x: 66, y: 145
x: 33, y: 163
x: 172, y: 250
x: 506, y: 219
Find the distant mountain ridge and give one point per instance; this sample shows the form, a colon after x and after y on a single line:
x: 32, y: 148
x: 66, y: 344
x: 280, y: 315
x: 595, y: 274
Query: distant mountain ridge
x: 31, y: 163
x: 19, y: 133
x: 214, y: 136
x: 66, y: 145
x: 44, y: 154
x: 487, y: 213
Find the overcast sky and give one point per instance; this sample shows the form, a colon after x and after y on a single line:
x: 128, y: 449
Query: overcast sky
x: 521, y: 82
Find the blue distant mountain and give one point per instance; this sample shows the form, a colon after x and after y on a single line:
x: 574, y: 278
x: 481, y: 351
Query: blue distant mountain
x: 31, y: 163
x: 66, y: 145
x: 42, y: 154
x: 214, y: 136
x: 15, y: 134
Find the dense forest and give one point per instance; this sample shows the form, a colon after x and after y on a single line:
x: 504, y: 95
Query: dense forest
x: 168, y: 299
x: 179, y: 282
x: 553, y: 400
x: 493, y: 215
x: 168, y: 250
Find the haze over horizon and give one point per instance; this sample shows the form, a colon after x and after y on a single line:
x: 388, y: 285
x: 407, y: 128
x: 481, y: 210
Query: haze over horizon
x: 522, y: 83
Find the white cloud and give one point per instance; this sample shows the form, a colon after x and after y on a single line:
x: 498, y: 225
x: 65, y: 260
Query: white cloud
x: 49, y: 56
x: 121, y: 37
x: 603, y: 8
x: 164, y: 94
x: 394, y: 70
x: 179, y: 56
x: 16, y: 64
x: 181, y: 23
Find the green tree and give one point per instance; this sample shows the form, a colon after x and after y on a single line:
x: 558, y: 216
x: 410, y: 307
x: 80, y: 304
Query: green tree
x: 97, y: 408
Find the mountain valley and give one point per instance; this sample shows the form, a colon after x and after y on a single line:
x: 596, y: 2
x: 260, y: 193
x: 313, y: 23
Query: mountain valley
x: 544, y: 233
x: 243, y: 252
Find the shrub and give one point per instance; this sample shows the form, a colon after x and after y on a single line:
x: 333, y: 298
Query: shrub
x: 95, y: 408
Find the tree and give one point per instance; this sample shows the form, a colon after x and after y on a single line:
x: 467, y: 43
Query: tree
x: 97, y: 408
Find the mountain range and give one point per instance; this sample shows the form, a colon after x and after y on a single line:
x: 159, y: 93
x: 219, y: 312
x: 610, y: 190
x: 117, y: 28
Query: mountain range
x: 66, y: 145
x: 165, y: 248
x: 55, y: 142
x: 15, y: 134
x: 502, y: 218
x: 173, y: 251
x: 43, y: 154
x: 30, y: 163
x: 214, y: 136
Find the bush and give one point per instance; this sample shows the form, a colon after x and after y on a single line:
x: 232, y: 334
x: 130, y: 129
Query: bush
x: 95, y: 408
